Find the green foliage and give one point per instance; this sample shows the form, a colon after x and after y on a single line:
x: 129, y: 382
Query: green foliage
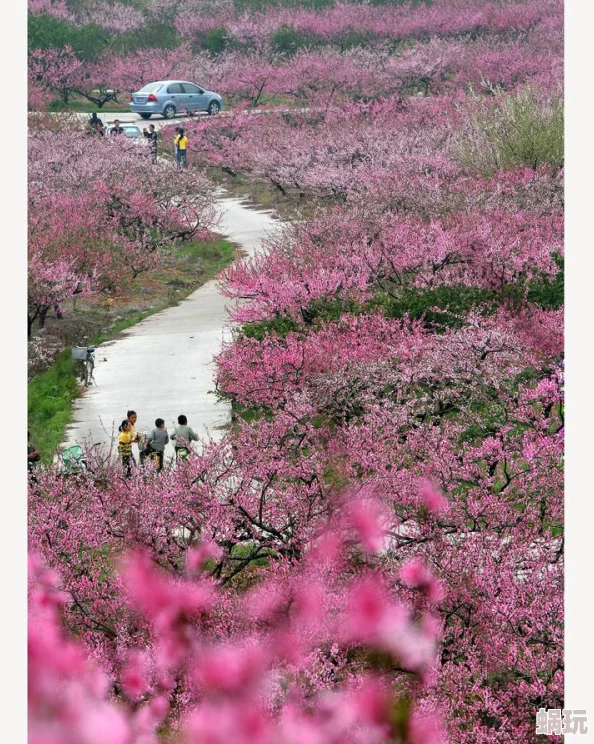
x: 441, y: 306
x: 263, y: 4
x: 49, y: 405
x: 288, y: 40
x: 45, y: 31
x: 217, y: 40
x: 87, y: 107
x: 548, y: 293
x: 327, y: 310
x: 280, y: 326
x: 213, y: 255
x: 520, y: 129
x: 252, y: 552
x: 357, y: 39
x: 242, y: 5
x: 153, y: 36
x: 413, y: 3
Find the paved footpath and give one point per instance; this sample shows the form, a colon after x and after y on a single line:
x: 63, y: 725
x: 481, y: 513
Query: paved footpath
x: 164, y: 365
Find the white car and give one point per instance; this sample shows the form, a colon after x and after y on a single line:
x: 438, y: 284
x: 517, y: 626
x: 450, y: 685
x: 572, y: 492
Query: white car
x: 130, y: 130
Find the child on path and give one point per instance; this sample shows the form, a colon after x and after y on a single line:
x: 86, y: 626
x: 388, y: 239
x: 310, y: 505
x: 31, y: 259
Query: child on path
x: 181, y: 143
x: 125, y: 447
x: 157, y: 440
x: 132, y: 417
x: 183, y: 435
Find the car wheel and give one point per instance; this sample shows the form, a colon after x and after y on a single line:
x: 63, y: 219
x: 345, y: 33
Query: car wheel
x: 213, y: 108
x: 145, y: 116
x: 169, y: 112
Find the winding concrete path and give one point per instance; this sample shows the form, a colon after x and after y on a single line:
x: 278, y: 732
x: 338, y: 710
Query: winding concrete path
x: 164, y: 365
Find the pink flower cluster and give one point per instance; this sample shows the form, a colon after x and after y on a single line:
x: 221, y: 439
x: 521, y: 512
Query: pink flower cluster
x: 385, y: 512
x: 244, y: 683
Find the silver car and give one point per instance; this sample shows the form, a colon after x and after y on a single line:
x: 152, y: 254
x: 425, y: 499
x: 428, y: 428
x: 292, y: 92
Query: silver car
x: 171, y: 97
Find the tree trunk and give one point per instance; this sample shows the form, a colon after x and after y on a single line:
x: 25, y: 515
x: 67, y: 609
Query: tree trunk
x: 42, y: 316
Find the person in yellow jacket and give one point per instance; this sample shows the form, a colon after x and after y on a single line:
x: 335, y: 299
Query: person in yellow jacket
x: 181, y: 148
x: 125, y: 446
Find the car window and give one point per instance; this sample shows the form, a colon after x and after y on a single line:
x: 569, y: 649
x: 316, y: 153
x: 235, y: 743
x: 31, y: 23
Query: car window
x: 132, y: 131
x: 151, y: 88
x: 189, y: 88
x: 175, y: 88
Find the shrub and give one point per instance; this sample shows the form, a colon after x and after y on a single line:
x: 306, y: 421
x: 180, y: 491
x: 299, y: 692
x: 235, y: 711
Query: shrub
x: 513, y: 130
x: 153, y: 36
x: 217, y: 40
x: 288, y: 40
x: 87, y: 42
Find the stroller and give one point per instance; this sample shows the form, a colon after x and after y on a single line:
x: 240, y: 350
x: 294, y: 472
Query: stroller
x: 73, y: 460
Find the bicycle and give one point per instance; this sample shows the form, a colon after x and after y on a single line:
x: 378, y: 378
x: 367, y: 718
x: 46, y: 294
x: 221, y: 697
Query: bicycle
x: 84, y: 364
x: 183, y: 449
x: 182, y: 453
x: 73, y: 460
x: 156, y: 458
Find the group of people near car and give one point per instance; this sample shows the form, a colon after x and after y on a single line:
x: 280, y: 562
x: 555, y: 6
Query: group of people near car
x: 98, y: 129
x: 180, y: 141
x: 154, y: 444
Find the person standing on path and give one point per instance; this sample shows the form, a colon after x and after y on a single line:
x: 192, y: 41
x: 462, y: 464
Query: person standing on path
x: 182, y: 148
x: 132, y: 417
x: 125, y: 447
x: 152, y: 136
x: 183, y: 435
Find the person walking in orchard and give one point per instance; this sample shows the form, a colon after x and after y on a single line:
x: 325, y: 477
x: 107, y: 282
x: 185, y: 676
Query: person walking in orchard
x: 182, y: 148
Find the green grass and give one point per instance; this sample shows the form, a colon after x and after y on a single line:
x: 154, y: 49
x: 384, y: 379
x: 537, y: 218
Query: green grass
x: 49, y: 405
x: 86, y: 107
x: 214, y: 256
x: 51, y: 394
